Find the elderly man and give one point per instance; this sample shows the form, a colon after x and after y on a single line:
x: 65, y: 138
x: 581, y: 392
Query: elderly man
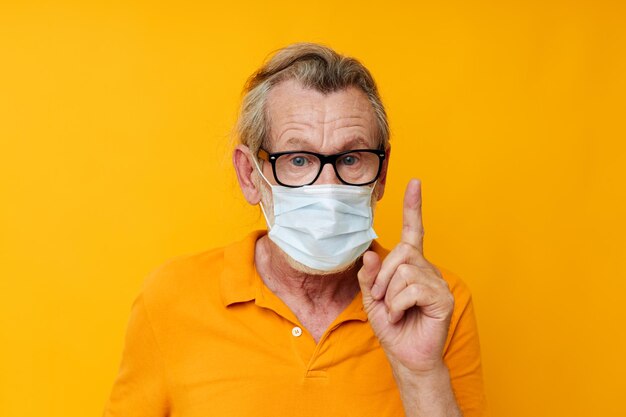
x: 313, y: 318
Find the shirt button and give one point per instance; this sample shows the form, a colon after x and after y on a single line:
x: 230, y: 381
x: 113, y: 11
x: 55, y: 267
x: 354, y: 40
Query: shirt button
x: 296, y: 331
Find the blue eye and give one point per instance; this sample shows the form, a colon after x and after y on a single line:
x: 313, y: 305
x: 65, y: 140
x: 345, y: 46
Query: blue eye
x: 349, y: 160
x: 298, y: 161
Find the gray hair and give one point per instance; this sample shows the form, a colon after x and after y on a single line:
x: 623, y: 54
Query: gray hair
x: 313, y: 66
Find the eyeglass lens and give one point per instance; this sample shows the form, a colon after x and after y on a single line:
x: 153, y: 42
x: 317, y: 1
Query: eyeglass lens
x: 301, y: 168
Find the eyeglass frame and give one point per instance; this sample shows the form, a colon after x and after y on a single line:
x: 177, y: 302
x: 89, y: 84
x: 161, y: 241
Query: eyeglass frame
x: 324, y: 159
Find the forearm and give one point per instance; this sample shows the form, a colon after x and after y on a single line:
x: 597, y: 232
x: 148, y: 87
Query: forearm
x: 427, y: 394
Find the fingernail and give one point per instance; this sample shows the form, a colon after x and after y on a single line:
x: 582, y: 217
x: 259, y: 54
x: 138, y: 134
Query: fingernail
x: 376, y: 291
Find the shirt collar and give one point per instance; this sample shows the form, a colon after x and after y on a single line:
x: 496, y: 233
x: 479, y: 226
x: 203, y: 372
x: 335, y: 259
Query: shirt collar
x: 239, y: 275
x: 240, y: 280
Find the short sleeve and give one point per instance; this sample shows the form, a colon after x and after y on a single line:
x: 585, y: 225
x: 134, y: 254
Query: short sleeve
x: 140, y: 387
x: 463, y: 359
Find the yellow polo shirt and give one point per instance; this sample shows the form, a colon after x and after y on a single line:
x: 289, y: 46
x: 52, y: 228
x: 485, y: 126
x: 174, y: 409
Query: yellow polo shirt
x: 207, y: 338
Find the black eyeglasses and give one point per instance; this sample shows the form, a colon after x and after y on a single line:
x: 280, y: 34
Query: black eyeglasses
x: 300, y: 168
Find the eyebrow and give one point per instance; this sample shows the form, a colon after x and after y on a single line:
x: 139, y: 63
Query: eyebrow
x: 349, y: 144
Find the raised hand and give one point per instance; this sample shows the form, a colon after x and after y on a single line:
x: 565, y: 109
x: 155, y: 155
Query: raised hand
x: 408, y: 303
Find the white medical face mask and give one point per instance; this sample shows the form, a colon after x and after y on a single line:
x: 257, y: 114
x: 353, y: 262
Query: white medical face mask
x: 325, y: 227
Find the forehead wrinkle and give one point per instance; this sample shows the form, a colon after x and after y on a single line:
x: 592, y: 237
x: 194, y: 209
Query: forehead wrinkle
x: 299, y: 121
x: 296, y: 130
x: 359, y: 116
x: 301, y: 116
x: 349, y: 121
x: 351, y: 129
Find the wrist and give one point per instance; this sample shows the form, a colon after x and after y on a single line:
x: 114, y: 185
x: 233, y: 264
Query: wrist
x: 426, y: 392
x: 431, y: 374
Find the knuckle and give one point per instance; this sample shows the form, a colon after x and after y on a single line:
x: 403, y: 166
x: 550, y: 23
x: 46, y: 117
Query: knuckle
x: 408, y: 252
x: 405, y: 248
x: 414, y: 292
x: 450, y: 301
x: 404, y: 271
x: 413, y: 229
x: 443, y: 284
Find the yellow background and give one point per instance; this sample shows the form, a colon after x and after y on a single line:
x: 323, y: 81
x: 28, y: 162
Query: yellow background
x: 115, y: 124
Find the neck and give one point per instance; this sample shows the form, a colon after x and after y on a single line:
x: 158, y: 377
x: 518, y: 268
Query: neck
x: 313, y: 288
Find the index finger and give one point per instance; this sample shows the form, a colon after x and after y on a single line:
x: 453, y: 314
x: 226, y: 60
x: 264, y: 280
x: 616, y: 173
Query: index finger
x: 412, y: 226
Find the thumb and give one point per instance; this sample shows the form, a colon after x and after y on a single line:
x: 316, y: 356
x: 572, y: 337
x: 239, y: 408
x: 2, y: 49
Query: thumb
x: 368, y: 272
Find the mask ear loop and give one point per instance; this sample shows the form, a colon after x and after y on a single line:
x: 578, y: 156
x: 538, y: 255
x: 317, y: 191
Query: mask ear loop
x: 371, y: 209
x: 267, y: 220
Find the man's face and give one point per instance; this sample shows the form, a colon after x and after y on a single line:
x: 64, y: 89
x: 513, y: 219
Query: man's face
x: 307, y: 120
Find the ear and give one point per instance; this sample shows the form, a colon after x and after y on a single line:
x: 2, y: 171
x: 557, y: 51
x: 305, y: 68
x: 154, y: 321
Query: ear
x: 382, y: 178
x: 246, y: 174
